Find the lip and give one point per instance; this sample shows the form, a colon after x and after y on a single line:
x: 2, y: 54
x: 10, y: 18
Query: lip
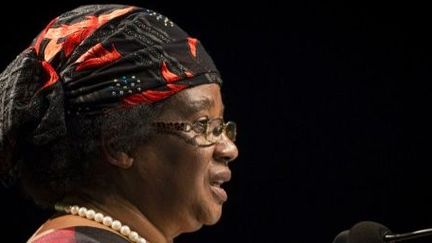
x: 220, y: 176
x: 219, y: 193
x: 216, y: 180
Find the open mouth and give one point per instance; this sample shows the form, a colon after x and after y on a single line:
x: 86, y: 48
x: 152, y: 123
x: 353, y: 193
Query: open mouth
x: 217, y: 179
x: 217, y: 183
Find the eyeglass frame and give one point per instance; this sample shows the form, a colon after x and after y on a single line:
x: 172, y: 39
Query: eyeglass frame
x: 186, y: 127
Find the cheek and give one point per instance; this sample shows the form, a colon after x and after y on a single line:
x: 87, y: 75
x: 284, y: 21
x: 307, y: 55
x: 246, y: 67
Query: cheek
x: 193, y: 169
x: 187, y: 167
x: 176, y: 169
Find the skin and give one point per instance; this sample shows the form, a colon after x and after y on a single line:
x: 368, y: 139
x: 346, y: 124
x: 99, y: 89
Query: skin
x: 169, y: 180
x: 164, y: 187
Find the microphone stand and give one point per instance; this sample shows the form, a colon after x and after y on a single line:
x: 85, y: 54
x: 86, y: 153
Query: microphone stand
x: 407, y: 236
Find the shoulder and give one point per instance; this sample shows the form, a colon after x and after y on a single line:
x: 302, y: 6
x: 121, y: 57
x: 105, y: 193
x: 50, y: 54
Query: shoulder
x: 77, y: 234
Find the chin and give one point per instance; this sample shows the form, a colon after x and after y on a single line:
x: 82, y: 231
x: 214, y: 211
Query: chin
x: 208, y: 213
x: 214, y: 215
x: 213, y: 222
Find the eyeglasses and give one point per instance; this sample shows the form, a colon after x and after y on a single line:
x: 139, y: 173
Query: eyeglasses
x: 208, y: 131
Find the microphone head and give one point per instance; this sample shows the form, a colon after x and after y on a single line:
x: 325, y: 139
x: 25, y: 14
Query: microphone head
x: 368, y: 231
x: 342, y: 237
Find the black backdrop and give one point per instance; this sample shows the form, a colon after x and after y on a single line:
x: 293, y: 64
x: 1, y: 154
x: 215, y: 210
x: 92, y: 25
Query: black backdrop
x: 332, y: 101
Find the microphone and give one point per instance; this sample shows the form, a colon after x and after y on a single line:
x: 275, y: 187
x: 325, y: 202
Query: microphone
x: 368, y: 231
x: 372, y: 232
x: 342, y: 237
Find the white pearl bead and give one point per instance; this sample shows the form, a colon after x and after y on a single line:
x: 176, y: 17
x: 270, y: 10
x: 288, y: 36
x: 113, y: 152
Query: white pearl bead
x: 116, y: 225
x: 90, y: 214
x: 125, y: 230
x: 74, y: 210
x: 99, y: 217
x: 82, y: 211
x: 133, y: 236
x: 107, y: 220
x: 141, y: 240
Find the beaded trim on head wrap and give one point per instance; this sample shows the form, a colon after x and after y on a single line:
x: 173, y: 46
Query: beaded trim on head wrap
x: 92, y: 60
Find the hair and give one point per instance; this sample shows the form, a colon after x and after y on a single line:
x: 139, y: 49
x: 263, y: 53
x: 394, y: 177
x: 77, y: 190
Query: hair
x: 62, y: 167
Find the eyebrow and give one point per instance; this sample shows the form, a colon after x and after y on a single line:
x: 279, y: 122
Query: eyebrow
x: 198, y: 105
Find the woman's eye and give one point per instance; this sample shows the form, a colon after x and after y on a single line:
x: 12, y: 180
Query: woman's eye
x: 201, y: 125
x: 218, y: 130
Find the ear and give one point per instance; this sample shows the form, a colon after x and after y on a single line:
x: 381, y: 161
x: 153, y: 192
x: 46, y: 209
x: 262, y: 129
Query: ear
x: 116, y: 158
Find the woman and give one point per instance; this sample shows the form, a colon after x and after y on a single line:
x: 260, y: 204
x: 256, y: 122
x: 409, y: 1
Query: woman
x: 114, y: 117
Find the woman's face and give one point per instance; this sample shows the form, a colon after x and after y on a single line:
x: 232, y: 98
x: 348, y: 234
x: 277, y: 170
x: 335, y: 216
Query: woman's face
x: 178, y: 182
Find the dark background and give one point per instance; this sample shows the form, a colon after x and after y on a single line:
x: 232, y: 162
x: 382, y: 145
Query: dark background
x: 332, y: 101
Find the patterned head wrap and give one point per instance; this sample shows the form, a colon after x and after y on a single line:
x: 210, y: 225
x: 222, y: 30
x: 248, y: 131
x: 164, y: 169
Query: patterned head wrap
x: 92, y: 60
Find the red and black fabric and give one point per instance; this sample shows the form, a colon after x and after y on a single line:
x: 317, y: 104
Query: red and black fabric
x: 111, y: 55
x: 93, y: 60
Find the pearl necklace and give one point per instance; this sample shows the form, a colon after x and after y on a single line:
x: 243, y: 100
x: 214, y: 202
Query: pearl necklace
x: 102, y: 219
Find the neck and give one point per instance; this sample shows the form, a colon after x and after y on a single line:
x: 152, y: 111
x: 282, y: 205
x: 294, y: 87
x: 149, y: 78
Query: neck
x: 122, y: 210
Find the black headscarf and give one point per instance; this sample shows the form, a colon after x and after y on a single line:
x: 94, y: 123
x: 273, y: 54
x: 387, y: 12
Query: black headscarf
x: 93, y: 60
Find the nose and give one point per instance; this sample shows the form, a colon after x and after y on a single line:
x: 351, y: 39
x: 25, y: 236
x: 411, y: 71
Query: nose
x: 225, y: 150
